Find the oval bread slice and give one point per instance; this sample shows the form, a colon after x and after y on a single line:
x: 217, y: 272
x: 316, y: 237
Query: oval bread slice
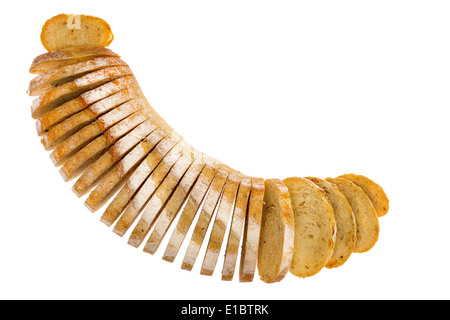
x: 374, y: 191
x: 69, y: 31
x: 276, y: 242
x: 345, y: 222
x: 315, y: 227
x: 367, y: 227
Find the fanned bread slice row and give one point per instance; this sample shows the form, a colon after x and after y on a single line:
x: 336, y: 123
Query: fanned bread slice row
x: 71, y: 107
x: 367, y: 226
x: 69, y: 31
x: 115, y: 153
x: 221, y: 220
x: 276, y: 242
x: 193, y: 203
x: 118, y: 175
x: 150, y: 185
x: 236, y: 229
x: 69, y: 126
x: 174, y: 205
x: 252, y: 229
x: 345, y: 222
x: 159, y: 198
x: 376, y: 194
x: 56, y: 77
x: 206, y: 214
x: 70, y: 90
x: 315, y: 227
x: 94, y: 149
x: 132, y: 109
x: 138, y: 177
x: 60, y: 58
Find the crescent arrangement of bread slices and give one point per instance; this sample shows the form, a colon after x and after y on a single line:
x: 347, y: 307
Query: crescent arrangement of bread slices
x: 93, y: 118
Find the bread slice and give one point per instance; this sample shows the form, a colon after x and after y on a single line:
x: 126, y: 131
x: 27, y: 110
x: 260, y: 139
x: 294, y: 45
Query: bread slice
x: 276, y: 242
x: 207, y: 211
x: 115, y: 153
x: 73, y: 89
x: 252, y: 229
x: 159, y: 198
x: 69, y: 126
x: 71, y: 107
x: 219, y: 227
x: 236, y: 229
x: 345, y: 222
x: 173, y: 206
x: 60, y: 58
x: 150, y: 185
x: 69, y: 31
x: 132, y: 110
x: 376, y: 194
x: 367, y: 226
x: 117, y: 176
x: 195, y: 199
x: 56, y: 77
x: 138, y: 177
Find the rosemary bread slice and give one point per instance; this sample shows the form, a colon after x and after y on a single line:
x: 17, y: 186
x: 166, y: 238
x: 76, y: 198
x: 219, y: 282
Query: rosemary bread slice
x: 193, y: 203
x: 236, y: 229
x: 71, y: 107
x: 69, y: 126
x: 252, y: 229
x: 60, y: 58
x: 69, y: 31
x: 47, y: 81
x: 159, y: 198
x: 345, y: 222
x: 221, y: 220
x: 138, y: 177
x: 276, y: 242
x: 119, y: 173
x: 70, y: 90
x: 376, y: 194
x: 207, y: 211
x: 150, y: 185
x: 173, y: 206
x: 367, y: 226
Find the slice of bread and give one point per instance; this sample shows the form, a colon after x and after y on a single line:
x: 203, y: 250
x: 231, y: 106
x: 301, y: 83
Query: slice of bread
x: 174, y: 205
x: 71, y: 90
x: 68, y: 31
x: 236, y: 229
x: 65, y: 57
x: 138, y: 177
x: 71, y: 107
x: 118, y: 175
x: 315, y: 227
x: 206, y: 214
x: 252, y: 228
x: 374, y: 191
x: 158, y: 199
x: 193, y: 203
x: 56, y: 77
x: 345, y: 222
x: 276, y: 242
x: 367, y: 226
x: 221, y: 220
x: 150, y: 185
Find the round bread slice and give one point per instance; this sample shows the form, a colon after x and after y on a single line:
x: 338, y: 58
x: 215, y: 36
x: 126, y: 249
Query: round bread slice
x: 68, y: 31
x: 345, y: 222
x: 367, y: 226
x: 315, y: 227
x: 374, y: 191
x: 276, y: 242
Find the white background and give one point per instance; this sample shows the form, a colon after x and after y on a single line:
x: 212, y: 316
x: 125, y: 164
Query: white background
x: 272, y: 88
